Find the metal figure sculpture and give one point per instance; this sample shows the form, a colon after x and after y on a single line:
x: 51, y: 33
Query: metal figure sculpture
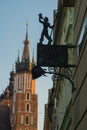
x: 46, y: 25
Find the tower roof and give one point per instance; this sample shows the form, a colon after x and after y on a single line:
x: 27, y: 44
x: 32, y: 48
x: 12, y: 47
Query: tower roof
x: 26, y: 51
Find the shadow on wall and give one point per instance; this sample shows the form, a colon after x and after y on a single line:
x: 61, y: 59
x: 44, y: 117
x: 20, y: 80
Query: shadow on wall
x: 4, y: 118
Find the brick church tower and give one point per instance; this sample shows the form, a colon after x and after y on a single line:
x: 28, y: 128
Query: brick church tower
x: 25, y: 104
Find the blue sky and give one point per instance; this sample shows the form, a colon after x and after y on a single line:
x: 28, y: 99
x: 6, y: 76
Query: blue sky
x: 13, y: 16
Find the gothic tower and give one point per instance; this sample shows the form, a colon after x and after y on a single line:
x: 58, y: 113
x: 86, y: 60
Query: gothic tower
x: 25, y: 104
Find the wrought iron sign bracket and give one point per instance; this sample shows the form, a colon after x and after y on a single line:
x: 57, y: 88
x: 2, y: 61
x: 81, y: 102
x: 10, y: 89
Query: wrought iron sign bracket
x: 37, y: 72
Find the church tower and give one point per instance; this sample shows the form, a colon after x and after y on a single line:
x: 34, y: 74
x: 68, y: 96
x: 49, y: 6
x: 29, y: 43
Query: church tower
x: 25, y: 104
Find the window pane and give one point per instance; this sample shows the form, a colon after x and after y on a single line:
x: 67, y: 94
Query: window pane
x: 27, y: 107
x: 27, y: 96
x: 26, y: 119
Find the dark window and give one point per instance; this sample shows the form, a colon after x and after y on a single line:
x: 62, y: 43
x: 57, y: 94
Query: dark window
x: 27, y: 96
x: 27, y: 107
x: 26, y: 119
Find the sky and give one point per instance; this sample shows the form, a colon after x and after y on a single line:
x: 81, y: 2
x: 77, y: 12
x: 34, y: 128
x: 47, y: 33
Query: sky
x: 13, y: 17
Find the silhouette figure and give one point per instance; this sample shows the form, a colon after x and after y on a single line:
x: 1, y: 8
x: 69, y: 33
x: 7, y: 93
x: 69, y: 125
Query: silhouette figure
x: 46, y: 24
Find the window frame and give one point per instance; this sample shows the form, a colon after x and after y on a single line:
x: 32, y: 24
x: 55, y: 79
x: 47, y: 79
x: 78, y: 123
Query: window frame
x: 82, y: 36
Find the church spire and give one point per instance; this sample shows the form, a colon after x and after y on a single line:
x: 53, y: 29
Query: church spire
x: 33, y: 61
x: 18, y: 58
x: 26, y: 51
x: 26, y: 31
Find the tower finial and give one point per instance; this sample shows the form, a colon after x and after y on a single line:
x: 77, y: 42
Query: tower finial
x: 33, y: 61
x: 12, y: 67
x: 27, y: 29
x: 18, y: 59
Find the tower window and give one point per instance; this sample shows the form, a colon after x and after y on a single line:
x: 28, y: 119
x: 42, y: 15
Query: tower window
x: 28, y: 81
x: 21, y: 82
x: 26, y: 129
x: 27, y: 120
x: 27, y: 107
x: 22, y: 119
x: 27, y: 96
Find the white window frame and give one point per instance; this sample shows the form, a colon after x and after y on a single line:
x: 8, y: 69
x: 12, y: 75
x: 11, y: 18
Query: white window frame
x: 82, y: 36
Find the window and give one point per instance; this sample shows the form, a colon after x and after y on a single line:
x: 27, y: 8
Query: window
x: 28, y: 81
x: 27, y: 107
x: 16, y: 82
x: 21, y: 81
x: 22, y: 119
x: 27, y: 96
x: 27, y: 120
x: 82, y: 35
x: 26, y: 129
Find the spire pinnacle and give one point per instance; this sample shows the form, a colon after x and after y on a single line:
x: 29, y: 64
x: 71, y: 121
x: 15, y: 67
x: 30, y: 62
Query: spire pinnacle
x: 27, y: 30
x: 18, y: 59
x: 33, y: 57
x: 26, y: 50
x: 26, y: 37
x: 13, y: 67
x: 33, y: 61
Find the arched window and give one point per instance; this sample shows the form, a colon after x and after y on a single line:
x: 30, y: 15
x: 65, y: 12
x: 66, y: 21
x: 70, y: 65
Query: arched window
x: 27, y: 107
x: 21, y: 82
x: 26, y: 129
x: 28, y: 81
x: 27, y: 120
x: 27, y: 96
x: 22, y: 119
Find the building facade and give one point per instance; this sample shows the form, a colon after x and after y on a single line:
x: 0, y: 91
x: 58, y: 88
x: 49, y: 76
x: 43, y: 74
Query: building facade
x: 79, y: 104
x: 62, y: 94
x: 70, y: 29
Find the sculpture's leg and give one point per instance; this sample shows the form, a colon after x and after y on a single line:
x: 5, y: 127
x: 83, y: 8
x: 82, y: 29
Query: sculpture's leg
x: 49, y: 39
x: 42, y: 38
